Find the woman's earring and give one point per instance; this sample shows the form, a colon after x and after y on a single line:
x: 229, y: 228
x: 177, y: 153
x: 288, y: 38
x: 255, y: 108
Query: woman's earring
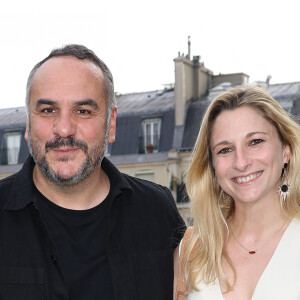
x: 284, y: 188
x: 223, y: 201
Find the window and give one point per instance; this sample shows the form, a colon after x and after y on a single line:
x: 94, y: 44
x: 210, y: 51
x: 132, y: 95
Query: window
x: 13, y: 143
x: 151, y: 134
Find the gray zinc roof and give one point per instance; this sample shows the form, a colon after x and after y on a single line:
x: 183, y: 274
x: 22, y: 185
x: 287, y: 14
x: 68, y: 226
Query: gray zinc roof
x: 287, y: 94
x: 12, y: 116
x: 145, y: 101
x: 289, y: 90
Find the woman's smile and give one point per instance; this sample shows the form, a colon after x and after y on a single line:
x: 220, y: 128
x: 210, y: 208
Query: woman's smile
x: 247, y: 178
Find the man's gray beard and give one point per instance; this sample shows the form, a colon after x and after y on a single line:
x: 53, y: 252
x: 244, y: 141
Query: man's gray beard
x: 92, y: 161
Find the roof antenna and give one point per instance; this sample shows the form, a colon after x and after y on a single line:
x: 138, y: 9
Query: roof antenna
x: 189, y: 47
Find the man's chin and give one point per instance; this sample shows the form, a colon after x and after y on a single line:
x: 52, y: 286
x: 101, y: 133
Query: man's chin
x: 64, y: 175
x: 67, y: 173
x: 65, y: 180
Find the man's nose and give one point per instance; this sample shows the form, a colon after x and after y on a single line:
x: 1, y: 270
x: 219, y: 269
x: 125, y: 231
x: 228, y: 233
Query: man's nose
x: 242, y: 159
x: 64, y: 125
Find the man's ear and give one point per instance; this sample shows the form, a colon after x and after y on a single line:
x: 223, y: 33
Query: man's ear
x: 112, y: 125
x: 26, y: 135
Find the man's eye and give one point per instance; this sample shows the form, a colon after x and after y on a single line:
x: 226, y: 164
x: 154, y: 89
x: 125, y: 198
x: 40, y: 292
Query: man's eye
x: 83, y: 112
x: 224, y: 151
x: 256, y: 141
x: 48, y: 110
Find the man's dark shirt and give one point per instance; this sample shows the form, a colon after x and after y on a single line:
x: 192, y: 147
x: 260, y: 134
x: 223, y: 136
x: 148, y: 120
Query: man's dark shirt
x: 80, y: 238
x: 144, y: 227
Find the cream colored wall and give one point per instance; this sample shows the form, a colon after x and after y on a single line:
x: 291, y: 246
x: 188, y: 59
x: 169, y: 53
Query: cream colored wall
x: 204, y: 81
x: 184, y: 158
x: 185, y: 213
x: 176, y: 165
x: 188, y: 80
x: 183, y: 87
x: 234, y: 78
x: 3, y: 175
x: 192, y: 80
x: 162, y: 174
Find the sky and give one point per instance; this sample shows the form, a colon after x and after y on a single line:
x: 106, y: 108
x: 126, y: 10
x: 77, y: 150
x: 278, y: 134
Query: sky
x: 138, y: 40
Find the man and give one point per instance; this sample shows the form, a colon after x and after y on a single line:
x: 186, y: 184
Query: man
x: 71, y: 225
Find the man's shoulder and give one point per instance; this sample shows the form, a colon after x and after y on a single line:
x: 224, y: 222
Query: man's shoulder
x: 144, y: 191
x: 6, y: 185
x: 7, y: 182
x: 138, y: 184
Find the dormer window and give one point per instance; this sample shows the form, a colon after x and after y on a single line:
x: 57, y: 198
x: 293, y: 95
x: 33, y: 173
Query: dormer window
x: 12, y: 143
x: 151, y: 135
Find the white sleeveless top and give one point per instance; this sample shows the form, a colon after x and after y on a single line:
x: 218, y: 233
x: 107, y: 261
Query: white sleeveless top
x: 281, y: 278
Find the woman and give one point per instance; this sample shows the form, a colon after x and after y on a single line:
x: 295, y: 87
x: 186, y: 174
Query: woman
x: 244, y: 187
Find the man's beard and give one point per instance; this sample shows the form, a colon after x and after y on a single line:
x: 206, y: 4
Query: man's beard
x: 94, y: 157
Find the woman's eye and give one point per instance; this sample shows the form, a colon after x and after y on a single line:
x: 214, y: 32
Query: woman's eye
x: 224, y: 151
x: 256, y: 141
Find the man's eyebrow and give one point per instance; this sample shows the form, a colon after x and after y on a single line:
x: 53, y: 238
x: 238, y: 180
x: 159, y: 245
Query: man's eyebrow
x: 88, y: 102
x: 40, y: 102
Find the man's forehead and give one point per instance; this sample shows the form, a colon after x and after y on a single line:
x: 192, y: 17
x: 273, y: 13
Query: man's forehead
x: 66, y: 77
x: 67, y: 64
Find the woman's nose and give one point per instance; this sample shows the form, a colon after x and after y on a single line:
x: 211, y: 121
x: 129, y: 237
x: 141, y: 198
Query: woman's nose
x: 242, y: 159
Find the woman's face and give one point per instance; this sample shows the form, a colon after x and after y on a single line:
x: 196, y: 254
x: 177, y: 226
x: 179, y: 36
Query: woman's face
x: 247, y: 155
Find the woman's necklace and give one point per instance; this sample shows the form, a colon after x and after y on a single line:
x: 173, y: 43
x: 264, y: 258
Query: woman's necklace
x: 256, y: 249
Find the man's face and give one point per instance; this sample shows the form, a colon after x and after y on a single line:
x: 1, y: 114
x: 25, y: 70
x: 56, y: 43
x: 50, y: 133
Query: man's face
x: 67, y: 130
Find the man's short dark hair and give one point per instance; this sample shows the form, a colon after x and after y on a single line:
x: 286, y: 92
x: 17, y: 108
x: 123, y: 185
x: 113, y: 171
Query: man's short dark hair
x: 80, y: 52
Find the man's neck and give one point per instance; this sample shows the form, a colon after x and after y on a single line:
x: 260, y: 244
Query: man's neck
x: 84, y: 195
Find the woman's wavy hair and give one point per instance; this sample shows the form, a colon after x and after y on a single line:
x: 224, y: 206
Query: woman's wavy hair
x: 202, y: 261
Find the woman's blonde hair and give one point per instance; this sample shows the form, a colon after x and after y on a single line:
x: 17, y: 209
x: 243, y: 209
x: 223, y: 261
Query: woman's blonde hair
x: 202, y: 261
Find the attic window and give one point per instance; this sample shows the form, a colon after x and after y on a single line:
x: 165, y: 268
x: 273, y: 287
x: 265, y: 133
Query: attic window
x: 12, y: 147
x: 151, y: 135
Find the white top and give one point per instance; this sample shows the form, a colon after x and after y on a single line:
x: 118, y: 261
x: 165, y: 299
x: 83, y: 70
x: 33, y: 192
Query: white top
x: 281, y: 278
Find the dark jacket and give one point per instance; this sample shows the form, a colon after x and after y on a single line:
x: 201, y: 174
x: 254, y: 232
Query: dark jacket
x: 144, y: 229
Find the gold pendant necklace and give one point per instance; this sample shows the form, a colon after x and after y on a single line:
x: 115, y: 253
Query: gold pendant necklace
x: 256, y: 249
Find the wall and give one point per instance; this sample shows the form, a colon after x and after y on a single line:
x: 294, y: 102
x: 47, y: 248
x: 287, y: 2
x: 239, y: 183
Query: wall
x: 235, y: 79
x: 192, y: 80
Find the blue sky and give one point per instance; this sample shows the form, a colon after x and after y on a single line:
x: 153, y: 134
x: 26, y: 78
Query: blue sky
x: 138, y: 40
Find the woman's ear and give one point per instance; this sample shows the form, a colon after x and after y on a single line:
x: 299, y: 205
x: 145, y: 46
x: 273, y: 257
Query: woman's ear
x: 286, y: 153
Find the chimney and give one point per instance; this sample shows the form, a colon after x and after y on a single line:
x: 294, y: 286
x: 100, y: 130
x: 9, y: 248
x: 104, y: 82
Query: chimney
x: 196, y: 92
x: 192, y: 81
x: 189, y: 47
